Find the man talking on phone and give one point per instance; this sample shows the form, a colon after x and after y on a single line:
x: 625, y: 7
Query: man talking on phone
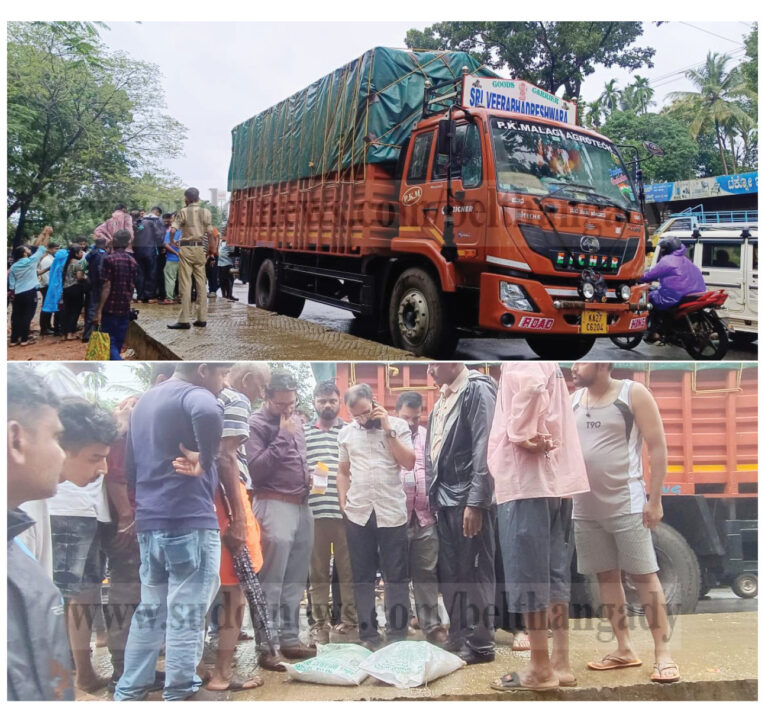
x: 277, y: 463
x: 372, y: 450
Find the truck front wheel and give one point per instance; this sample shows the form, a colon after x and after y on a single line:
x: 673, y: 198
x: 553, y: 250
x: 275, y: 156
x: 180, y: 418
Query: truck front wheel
x: 419, y: 316
x: 268, y: 295
x: 560, y: 347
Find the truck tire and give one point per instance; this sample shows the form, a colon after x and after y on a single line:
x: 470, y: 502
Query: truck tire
x: 268, y: 295
x: 678, y: 571
x: 745, y: 585
x: 560, y: 347
x: 419, y: 316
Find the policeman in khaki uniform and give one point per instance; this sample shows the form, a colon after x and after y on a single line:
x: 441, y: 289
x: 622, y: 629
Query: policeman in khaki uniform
x: 194, y: 221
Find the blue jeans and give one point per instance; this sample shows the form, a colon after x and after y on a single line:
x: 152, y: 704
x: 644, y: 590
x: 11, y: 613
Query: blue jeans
x: 179, y: 580
x: 116, y: 326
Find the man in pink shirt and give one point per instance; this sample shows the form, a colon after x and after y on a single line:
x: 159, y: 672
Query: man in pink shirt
x: 422, y: 529
x: 536, y: 463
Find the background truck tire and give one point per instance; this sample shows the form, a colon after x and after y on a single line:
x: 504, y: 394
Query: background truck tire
x: 560, y: 347
x: 419, y: 316
x: 745, y: 585
x: 268, y: 296
x: 678, y: 571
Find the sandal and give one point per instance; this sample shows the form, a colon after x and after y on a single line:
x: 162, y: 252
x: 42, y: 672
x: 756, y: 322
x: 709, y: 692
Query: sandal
x: 660, y: 678
x: 511, y: 682
x: 613, y: 662
x: 520, y: 642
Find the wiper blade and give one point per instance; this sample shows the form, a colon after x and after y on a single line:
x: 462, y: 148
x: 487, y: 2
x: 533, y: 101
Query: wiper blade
x: 567, y: 184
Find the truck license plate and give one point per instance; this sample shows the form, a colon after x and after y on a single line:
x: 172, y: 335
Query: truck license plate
x: 594, y: 322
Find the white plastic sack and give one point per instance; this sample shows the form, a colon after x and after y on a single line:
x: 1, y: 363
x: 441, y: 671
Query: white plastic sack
x: 334, y: 664
x: 411, y: 664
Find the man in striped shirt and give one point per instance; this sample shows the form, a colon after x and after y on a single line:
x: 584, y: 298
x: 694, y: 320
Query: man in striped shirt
x: 321, y: 438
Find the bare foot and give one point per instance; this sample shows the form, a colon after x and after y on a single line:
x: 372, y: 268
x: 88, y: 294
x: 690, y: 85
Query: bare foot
x: 219, y: 683
x: 533, y: 678
x: 92, y: 684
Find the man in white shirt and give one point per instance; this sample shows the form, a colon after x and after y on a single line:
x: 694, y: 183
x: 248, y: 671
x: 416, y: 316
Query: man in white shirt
x: 372, y: 450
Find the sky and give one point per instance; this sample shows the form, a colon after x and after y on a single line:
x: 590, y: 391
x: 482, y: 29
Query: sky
x: 215, y: 75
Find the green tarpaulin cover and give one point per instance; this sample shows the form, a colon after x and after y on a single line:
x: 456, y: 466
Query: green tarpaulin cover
x: 361, y: 113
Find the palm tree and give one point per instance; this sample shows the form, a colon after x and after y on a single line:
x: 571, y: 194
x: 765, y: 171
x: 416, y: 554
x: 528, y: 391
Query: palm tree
x: 628, y: 100
x: 643, y: 93
x: 609, y: 99
x: 714, y: 104
x: 593, y: 116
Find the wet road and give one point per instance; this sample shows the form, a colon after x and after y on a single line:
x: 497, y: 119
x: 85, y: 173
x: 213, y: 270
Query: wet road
x: 724, y: 600
x: 508, y: 348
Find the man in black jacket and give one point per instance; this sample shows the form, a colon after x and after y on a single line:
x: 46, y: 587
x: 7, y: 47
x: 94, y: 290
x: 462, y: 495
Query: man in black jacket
x: 461, y: 492
x: 39, y: 661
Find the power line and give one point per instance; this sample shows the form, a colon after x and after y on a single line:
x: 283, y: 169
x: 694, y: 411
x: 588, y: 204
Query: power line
x: 709, y: 32
x: 672, y: 76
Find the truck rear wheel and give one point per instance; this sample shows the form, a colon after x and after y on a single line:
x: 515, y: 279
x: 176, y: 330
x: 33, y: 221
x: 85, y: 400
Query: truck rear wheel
x: 678, y: 571
x: 419, y: 317
x: 268, y: 295
x: 560, y: 347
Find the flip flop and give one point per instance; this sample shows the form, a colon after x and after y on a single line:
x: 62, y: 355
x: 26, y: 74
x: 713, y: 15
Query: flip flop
x: 657, y: 673
x: 613, y: 662
x: 238, y: 685
x: 511, y: 682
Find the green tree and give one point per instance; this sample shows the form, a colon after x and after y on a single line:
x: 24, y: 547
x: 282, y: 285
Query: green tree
x: 593, y: 115
x: 715, y: 103
x: 79, y: 116
x: 749, y: 66
x: 610, y: 98
x: 552, y: 55
x: 681, y: 152
x: 638, y: 95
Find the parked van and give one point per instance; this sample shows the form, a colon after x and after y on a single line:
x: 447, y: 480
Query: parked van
x: 727, y: 258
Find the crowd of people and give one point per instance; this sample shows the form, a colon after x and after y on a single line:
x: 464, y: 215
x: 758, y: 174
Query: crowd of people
x: 208, y: 495
x: 132, y: 257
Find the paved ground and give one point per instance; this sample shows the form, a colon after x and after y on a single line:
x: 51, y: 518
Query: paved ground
x: 236, y: 331
x: 717, y: 655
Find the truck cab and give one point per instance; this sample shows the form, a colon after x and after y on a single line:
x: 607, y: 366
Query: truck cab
x: 548, y: 228
x: 728, y: 260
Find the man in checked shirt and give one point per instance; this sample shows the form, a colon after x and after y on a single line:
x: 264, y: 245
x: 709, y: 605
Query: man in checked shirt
x: 423, y: 543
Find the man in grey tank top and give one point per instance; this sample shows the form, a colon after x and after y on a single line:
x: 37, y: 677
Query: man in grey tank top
x: 614, y: 519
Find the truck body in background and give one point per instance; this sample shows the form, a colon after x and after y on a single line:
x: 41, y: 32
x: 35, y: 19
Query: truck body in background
x: 357, y: 193
x: 708, y: 536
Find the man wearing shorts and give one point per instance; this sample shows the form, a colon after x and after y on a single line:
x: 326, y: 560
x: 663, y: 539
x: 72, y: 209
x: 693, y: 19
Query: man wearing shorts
x: 613, y: 522
x: 247, y: 380
x: 536, y: 463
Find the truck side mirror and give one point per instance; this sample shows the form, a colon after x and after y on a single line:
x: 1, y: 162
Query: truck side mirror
x: 446, y: 130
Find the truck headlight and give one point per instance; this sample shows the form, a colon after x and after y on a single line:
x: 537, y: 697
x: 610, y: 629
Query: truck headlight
x: 587, y: 290
x: 514, y: 297
x: 624, y: 292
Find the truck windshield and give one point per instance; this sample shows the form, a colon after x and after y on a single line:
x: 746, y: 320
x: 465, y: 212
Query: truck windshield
x: 539, y: 159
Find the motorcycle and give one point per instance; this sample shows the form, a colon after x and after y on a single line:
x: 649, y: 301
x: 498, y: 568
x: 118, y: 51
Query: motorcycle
x: 692, y: 324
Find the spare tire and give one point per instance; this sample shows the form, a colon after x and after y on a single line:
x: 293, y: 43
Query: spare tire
x: 679, y: 573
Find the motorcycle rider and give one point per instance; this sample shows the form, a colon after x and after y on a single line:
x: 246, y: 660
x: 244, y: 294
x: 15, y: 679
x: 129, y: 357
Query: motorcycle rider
x: 677, y: 277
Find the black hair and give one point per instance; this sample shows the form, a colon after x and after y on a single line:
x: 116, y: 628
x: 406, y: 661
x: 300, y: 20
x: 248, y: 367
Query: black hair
x: 85, y: 423
x: 325, y: 388
x: 121, y: 239
x: 282, y: 382
x: 120, y: 207
x: 412, y: 400
x: 27, y: 393
x: 192, y: 194
x: 100, y: 242
x: 73, y: 250
x: 19, y: 252
x: 357, y: 392
x: 156, y: 208
x: 165, y: 369
x: 167, y: 215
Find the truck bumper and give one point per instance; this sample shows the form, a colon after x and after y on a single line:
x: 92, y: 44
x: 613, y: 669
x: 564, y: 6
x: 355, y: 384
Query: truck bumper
x: 557, y: 310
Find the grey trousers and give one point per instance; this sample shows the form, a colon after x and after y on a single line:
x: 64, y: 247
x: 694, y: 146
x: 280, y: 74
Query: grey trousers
x: 287, y: 534
x: 423, y: 547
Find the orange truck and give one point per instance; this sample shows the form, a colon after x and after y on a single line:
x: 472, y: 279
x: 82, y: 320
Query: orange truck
x: 432, y: 198
x: 709, y: 533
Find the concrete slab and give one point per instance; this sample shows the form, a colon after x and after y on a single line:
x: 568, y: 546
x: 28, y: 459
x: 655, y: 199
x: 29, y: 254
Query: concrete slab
x: 236, y: 331
x: 717, y: 656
